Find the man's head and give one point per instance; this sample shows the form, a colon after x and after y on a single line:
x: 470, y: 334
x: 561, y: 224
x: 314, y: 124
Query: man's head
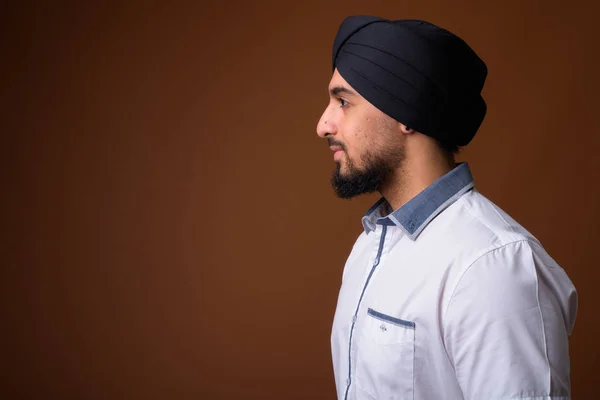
x: 396, y: 83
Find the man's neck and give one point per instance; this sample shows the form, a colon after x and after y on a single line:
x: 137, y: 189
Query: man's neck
x: 414, y: 176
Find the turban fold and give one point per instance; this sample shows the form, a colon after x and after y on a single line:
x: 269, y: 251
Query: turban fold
x: 417, y: 73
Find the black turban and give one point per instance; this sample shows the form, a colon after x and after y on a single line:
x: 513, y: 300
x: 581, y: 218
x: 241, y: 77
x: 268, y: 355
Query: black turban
x: 417, y: 73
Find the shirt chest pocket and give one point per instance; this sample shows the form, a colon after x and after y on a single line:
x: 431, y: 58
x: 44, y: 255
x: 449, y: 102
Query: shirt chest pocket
x: 385, y: 357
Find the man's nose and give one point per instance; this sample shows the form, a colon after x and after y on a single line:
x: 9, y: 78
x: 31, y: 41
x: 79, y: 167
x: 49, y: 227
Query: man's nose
x: 326, y: 126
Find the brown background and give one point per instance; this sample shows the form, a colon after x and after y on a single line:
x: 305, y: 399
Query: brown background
x: 168, y: 228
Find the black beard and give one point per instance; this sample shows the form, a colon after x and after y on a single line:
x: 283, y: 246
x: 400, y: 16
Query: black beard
x: 357, y: 182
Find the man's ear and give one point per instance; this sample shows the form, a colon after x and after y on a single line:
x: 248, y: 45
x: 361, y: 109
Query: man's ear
x: 405, y: 129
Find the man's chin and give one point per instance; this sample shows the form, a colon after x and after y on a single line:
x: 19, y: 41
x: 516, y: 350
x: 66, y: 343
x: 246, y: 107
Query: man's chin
x: 349, y: 184
x: 343, y: 171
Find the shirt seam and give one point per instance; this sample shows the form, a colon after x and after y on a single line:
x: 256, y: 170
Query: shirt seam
x: 500, y: 247
x: 497, y: 247
x: 543, y: 328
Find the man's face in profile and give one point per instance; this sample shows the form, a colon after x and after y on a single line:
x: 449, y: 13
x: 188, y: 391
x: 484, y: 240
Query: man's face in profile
x: 367, y: 143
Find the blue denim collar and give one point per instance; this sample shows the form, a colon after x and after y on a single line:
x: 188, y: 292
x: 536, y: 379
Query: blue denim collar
x: 415, y: 215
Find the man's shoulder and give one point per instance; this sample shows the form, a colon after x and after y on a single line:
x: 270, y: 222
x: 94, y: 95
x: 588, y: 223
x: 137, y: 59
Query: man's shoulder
x: 478, y: 218
x: 472, y: 227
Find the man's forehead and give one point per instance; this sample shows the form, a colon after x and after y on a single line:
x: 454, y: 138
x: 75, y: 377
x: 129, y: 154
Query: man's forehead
x: 338, y: 85
x: 338, y: 80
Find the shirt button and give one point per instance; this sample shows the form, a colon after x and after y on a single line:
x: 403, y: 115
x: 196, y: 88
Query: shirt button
x: 354, y: 319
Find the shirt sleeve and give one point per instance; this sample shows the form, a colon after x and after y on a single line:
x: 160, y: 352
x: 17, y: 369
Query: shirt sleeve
x: 506, y: 326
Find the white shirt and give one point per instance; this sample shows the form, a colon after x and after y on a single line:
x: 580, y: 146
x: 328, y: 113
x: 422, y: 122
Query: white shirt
x: 449, y: 298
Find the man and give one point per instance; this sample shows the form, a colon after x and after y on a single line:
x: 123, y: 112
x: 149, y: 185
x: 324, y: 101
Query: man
x: 444, y: 295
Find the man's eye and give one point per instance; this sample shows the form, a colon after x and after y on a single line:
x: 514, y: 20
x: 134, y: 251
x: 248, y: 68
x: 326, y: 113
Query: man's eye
x: 343, y: 103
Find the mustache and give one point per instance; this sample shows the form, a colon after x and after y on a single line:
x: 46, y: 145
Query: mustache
x: 333, y: 142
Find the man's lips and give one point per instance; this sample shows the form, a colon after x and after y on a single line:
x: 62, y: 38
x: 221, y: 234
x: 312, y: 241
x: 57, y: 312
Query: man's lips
x: 337, y: 152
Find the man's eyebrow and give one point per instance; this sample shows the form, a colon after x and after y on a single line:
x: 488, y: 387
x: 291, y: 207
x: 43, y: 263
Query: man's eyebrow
x: 337, y: 90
